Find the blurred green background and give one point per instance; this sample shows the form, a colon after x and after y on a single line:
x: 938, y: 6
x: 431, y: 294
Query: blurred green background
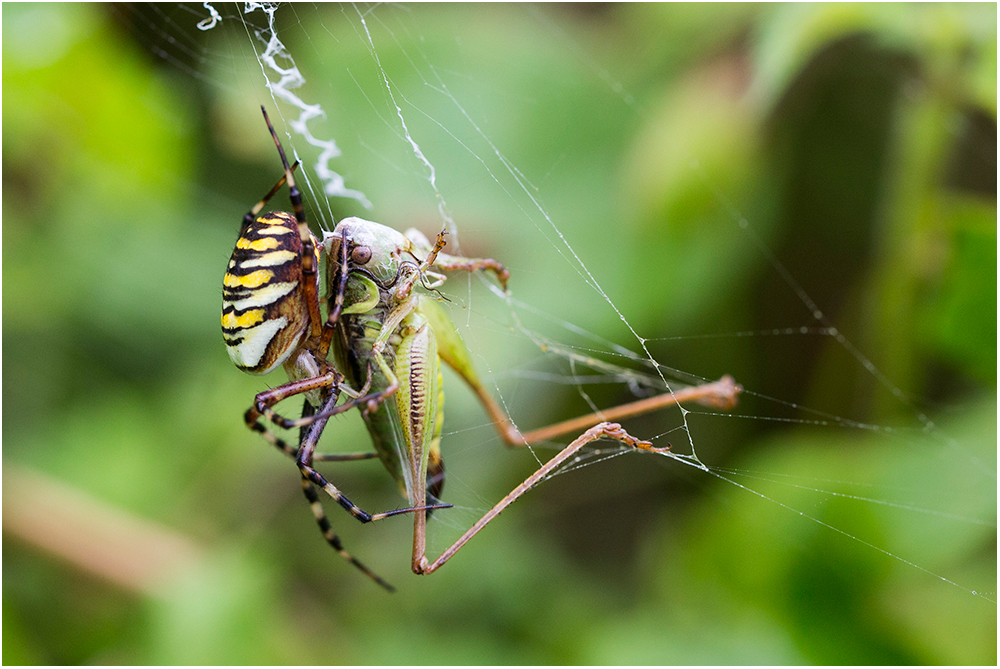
x: 706, y: 163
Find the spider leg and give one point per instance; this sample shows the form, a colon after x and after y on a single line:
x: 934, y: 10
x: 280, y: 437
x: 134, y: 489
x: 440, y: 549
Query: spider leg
x: 309, y: 436
x: 309, y: 269
x: 313, y: 425
x: 306, y: 457
x: 249, y: 217
x: 308, y: 410
x: 338, y: 302
x: 265, y: 400
x: 317, y: 479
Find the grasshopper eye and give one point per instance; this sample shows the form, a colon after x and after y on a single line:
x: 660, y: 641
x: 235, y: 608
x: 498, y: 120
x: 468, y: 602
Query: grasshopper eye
x: 361, y: 255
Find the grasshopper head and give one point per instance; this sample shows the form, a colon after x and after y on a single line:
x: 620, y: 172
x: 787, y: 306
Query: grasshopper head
x: 376, y: 247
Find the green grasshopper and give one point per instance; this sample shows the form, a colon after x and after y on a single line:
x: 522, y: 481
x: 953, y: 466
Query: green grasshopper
x: 389, y: 335
x: 394, y: 336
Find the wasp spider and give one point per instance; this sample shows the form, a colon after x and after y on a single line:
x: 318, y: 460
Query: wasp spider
x: 270, y: 317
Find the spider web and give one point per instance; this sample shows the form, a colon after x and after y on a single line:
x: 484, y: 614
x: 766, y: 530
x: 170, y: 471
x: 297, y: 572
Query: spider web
x: 428, y: 152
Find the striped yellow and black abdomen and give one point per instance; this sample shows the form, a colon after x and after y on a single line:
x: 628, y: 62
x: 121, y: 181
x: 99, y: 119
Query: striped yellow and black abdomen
x: 264, y: 313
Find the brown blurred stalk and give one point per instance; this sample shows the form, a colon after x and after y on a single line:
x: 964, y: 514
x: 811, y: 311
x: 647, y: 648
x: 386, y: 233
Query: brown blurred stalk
x: 115, y: 545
